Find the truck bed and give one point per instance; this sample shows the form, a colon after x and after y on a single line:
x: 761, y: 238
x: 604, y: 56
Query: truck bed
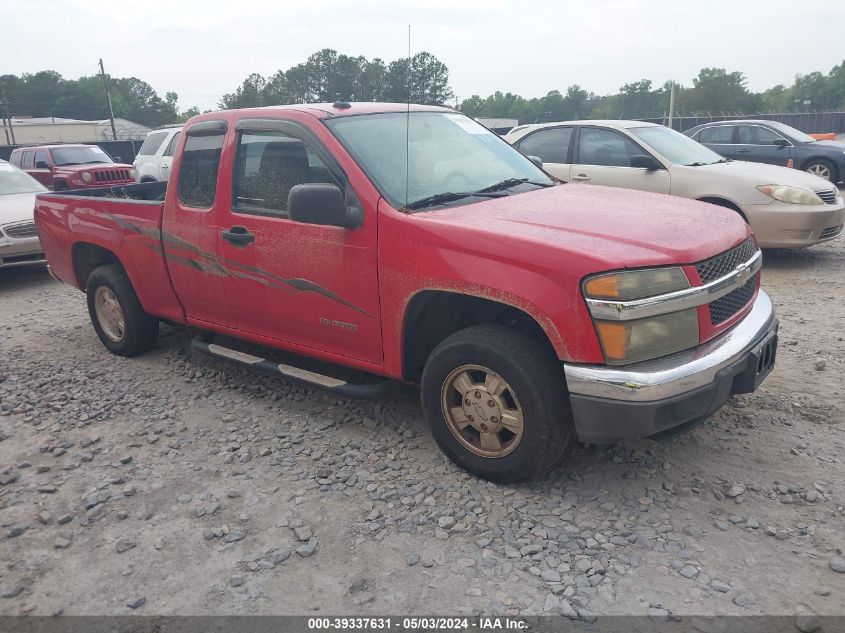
x: 81, y: 229
x: 146, y: 191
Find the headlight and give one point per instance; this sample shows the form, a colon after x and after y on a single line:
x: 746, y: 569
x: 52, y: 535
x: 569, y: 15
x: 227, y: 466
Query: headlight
x: 636, y: 284
x: 626, y: 342
x: 86, y: 176
x: 792, y: 195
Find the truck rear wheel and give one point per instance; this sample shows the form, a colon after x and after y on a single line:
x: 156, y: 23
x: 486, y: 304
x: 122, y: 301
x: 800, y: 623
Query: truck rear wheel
x: 118, y: 318
x: 496, y: 402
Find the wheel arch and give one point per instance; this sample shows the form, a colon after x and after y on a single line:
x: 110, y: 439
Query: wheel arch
x: 723, y: 202
x: 87, y: 256
x: 432, y: 315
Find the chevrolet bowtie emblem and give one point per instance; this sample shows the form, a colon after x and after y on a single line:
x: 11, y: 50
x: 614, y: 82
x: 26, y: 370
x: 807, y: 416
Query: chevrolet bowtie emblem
x: 743, y: 274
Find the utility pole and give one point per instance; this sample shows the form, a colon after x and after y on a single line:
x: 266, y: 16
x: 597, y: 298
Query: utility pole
x: 6, y: 115
x: 108, y: 99
x: 671, y: 102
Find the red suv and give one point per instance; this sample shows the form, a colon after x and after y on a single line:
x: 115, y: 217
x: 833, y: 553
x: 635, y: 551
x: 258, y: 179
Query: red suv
x: 62, y: 167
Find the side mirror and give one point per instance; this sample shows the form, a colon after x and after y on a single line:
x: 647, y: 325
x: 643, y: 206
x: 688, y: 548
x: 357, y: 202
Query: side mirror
x: 322, y: 203
x: 536, y: 160
x: 642, y: 161
x: 42, y: 164
x: 780, y: 142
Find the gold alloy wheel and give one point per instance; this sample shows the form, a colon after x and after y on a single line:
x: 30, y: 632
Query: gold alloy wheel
x: 109, y: 314
x: 482, y: 411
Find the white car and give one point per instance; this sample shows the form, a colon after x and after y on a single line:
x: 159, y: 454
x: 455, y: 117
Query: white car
x: 156, y: 154
x: 785, y: 207
x: 19, y: 245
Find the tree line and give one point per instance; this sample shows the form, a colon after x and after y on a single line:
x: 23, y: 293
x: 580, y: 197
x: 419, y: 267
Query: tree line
x: 714, y: 91
x: 327, y: 75
x: 48, y: 94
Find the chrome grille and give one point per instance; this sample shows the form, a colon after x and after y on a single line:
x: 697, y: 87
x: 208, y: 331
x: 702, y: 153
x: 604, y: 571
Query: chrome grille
x: 831, y: 231
x: 828, y: 196
x: 20, y: 231
x: 111, y: 175
x: 725, y: 307
x: 721, y: 265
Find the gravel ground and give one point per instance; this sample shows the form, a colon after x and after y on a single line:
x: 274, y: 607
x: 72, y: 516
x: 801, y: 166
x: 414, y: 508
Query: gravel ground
x: 172, y: 484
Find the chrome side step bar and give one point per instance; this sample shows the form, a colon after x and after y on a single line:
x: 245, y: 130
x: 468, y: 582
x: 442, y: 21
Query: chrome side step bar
x: 204, y: 344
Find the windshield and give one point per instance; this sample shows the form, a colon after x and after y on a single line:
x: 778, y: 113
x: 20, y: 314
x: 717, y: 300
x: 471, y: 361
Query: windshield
x: 79, y: 155
x: 796, y: 135
x: 445, y: 154
x: 13, y: 181
x: 674, y: 146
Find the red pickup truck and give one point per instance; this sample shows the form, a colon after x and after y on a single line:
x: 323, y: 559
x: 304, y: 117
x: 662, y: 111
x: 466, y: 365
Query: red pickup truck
x: 413, y: 244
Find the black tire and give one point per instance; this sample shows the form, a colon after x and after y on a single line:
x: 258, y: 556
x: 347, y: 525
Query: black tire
x: 536, y: 378
x: 140, y: 330
x: 821, y: 163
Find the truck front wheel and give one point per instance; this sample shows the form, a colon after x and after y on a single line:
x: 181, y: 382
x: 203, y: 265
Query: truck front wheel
x: 496, y: 402
x: 118, y: 318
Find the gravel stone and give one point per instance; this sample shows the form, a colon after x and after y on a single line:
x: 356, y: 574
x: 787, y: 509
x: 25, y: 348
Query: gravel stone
x: 720, y: 586
x: 837, y: 564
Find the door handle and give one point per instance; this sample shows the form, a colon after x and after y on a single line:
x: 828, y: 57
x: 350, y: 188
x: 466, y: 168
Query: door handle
x: 165, y: 165
x: 581, y: 177
x: 239, y: 236
x: 743, y: 151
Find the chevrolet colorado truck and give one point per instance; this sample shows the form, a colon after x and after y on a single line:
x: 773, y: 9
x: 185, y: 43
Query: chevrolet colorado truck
x: 410, y: 243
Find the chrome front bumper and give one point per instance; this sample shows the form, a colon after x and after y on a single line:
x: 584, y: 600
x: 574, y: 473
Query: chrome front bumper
x: 611, y: 403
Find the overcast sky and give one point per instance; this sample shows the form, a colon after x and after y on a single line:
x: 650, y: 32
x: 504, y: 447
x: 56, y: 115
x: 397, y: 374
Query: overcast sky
x: 202, y: 50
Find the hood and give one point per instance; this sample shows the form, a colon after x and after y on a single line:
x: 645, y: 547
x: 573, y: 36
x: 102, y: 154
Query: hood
x: 16, y: 207
x: 618, y: 227
x: 832, y: 146
x: 762, y: 174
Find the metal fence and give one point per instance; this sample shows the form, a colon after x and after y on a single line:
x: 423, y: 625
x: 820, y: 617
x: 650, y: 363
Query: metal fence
x: 121, y: 151
x: 809, y: 122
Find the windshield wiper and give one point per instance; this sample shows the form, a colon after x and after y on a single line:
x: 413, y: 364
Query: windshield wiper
x: 698, y: 164
x: 512, y: 182
x: 449, y: 196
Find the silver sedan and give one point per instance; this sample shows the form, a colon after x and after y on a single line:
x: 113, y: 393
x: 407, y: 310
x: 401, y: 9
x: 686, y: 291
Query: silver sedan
x: 19, y: 245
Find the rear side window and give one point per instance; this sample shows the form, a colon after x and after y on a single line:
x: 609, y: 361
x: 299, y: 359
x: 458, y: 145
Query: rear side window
x: 721, y: 135
x: 171, y: 146
x: 551, y: 145
x: 15, y: 159
x: 268, y: 165
x: 27, y: 161
x: 606, y: 147
x: 152, y: 143
x: 198, y: 173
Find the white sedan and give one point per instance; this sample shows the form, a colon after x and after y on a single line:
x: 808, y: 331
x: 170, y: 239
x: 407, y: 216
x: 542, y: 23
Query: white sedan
x: 19, y: 245
x: 785, y: 207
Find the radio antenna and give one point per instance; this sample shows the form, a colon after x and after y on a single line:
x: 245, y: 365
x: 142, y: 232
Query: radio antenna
x: 408, y: 123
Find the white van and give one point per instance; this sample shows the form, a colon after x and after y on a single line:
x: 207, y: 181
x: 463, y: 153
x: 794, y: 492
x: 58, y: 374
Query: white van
x: 153, y: 160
